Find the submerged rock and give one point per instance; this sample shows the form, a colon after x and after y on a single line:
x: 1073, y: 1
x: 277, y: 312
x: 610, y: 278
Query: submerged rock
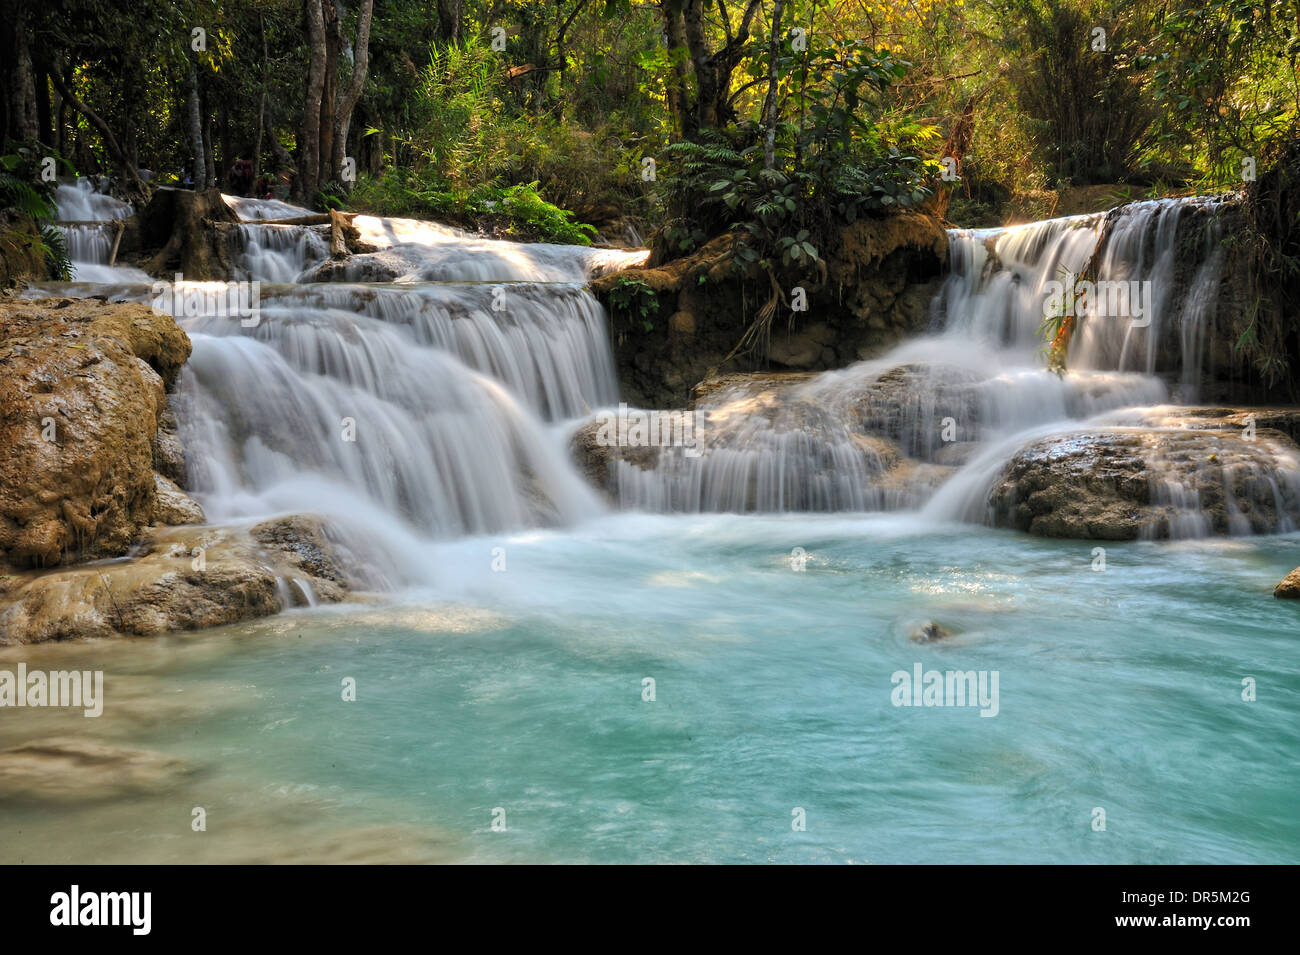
x: 77, y: 770
x: 185, y: 578
x: 928, y: 632
x: 82, y: 390
x: 1289, y: 588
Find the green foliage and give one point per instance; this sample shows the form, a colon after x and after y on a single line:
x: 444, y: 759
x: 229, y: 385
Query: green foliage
x: 844, y: 155
x: 1223, y: 83
x: 1081, y: 91
x: 58, y: 265
x: 535, y: 216
x: 21, y: 187
x: 23, y: 191
x: 517, y: 211
x: 1267, y: 250
x: 636, y: 300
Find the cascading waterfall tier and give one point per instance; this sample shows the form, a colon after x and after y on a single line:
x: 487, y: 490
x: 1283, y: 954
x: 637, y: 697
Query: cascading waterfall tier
x: 422, y: 403
x: 407, y: 250
x: 935, y: 423
x: 88, y: 218
x: 1156, y: 265
x: 423, y: 389
x: 403, y: 411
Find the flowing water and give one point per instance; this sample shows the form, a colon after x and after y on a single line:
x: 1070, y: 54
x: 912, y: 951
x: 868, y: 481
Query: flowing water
x: 423, y: 401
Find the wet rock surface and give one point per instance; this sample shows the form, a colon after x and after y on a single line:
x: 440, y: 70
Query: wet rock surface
x: 1208, y: 477
x: 881, y: 275
x: 1289, y: 587
x: 182, y: 578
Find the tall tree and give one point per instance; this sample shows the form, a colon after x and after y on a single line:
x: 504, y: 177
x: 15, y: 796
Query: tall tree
x: 347, y: 101
x: 19, y: 75
x: 307, y: 181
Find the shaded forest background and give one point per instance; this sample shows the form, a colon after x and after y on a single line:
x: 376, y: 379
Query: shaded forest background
x: 770, y: 125
x: 463, y: 109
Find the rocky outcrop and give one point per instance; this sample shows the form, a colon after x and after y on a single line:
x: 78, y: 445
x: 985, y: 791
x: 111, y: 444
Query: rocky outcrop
x: 1289, y: 587
x: 94, y: 470
x: 82, y: 391
x: 182, y: 578
x: 880, y: 275
x: 173, y: 505
x: 1206, y: 474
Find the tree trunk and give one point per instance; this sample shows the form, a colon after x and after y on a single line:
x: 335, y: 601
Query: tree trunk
x: 20, y: 81
x: 283, y: 161
x: 309, y: 142
x: 678, y: 91
x: 197, y: 171
x: 770, y: 110
x: 449, y: 20
x: 348, y: 100
x: 44, y: 115
x: 261, y: 104
x: 706, y: 77
x: 110, y: 141
x: 209, y: 151
x: 329, y: 93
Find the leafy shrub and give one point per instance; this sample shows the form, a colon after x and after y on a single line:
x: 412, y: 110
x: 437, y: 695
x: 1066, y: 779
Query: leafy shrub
x: 840, y: 159
x: 26, y: 193
x: 635, y: 299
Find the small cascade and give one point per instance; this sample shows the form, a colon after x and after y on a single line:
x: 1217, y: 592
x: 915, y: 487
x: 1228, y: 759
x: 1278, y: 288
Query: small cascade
x: 880, y: 435
x: 408, y: 250
x: 305, y: 588
x: 547, y: 345
x: 280, y: 253
x: 1156, y: 263
x: 88, y: 219
x: 934, y: 424
x: 80, y: 201
x: 426, y: 442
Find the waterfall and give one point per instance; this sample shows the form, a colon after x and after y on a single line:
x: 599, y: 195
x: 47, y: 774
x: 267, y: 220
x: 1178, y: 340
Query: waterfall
x: 408, y: 251
x: 1001, y: 279
x: 547, y: 344
x: 424, y: 387
x: 87, y: 216
x: 932, y: 424
x: 405, y: 410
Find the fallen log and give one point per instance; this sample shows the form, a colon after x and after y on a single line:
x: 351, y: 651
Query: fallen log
x: 316, y: 218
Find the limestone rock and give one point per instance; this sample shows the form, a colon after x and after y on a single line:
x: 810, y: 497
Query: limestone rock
x: 1125, y: 483
x: 185, y: 578
x: 82, y: 389
x: 174, y: 506
x: 1289, y: 588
